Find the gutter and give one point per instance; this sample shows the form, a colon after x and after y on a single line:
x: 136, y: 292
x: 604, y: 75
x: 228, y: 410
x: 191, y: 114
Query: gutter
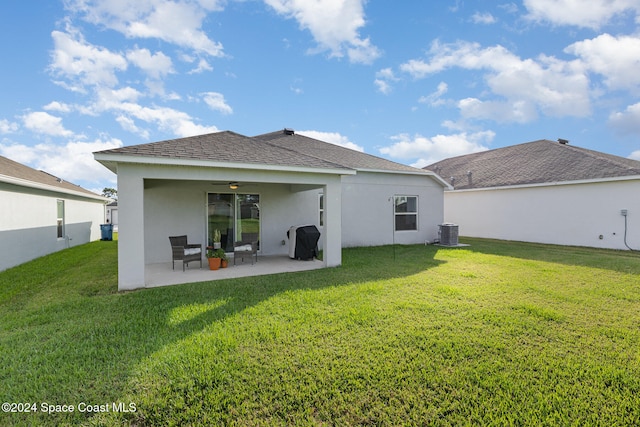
x: 551, y: 184
x: 110, y: 161
x: 46, y: 187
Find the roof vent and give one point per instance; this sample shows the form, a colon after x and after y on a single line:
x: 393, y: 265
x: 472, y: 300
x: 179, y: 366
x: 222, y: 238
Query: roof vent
x: 288, y: 131
x: 563, y: 141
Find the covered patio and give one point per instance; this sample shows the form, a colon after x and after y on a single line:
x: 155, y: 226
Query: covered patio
x: 176, y: 187
x: 161, y: 274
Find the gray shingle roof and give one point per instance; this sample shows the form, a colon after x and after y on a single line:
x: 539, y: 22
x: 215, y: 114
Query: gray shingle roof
x: 17, y: 170
x: 275, y: 148
x: 536, y: 162
x: 333, y: 153
x: 224, y: 146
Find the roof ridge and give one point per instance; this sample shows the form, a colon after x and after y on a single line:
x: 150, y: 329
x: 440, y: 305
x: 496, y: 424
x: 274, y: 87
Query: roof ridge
x: 303, y: 153
x: 271, y: 136
x: 611, y: 158
x: 541, y: 161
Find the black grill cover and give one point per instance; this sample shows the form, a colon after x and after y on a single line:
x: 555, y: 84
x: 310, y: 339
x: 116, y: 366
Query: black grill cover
x: 306, y: 242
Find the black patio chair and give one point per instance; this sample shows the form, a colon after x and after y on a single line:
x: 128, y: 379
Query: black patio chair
x: 183, y: 251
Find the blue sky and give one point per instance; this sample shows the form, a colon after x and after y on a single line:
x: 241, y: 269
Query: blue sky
x: 412, y: 81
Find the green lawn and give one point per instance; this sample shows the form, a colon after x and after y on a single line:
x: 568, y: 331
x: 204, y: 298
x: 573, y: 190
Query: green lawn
x: 499, y: 333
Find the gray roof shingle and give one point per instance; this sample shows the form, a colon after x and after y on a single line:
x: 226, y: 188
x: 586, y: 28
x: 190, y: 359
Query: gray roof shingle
x: 536, y: 162
x: 224, y: 146
x: 333, y: 153
x: 17, y: 170
x: 275, y: 148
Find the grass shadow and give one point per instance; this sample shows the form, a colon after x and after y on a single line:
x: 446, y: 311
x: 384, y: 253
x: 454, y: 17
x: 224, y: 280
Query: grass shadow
x: 609, y: 259
x: 68, y: 336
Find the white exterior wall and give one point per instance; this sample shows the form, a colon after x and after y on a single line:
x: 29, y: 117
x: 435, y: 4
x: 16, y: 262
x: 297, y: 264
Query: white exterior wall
x: 368, y: 211
x: 575, y: 214
x: 28, y: 223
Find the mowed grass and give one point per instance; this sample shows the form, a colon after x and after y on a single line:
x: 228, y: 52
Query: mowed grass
x: 499, y: 333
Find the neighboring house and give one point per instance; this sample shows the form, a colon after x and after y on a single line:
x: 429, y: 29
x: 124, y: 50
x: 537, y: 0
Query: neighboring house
x: 111, y: 214
x: 260, y: 187
x: 42, y: 214
x: 546, y: 192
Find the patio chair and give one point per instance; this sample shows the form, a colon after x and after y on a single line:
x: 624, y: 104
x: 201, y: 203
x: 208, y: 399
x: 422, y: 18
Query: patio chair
x: 182, y: 251
x: 245, y: 249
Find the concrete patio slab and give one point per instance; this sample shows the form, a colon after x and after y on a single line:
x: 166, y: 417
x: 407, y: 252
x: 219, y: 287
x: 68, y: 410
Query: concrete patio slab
x: 162, y: 274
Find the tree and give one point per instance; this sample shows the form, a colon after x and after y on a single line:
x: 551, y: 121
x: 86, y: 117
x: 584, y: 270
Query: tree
x: 111, y: 193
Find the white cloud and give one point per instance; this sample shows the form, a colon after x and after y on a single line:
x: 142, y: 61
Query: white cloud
x: 556, y: 88
x: 334, y: 24
x: 177, y: 22
x: 124, y: 103
x: 72, y: 162
x: 216, y: 102
x: 203, y: 66
x: 615, y: 58
x: 108, y: 99
x: 435, y: 98
x: 593, y: 14
x: 332, y: 138
x: 8, y: 127
x: 635, y: 155
x: 296, y: 86
x: 44, y: 123
x: 128, y: 124
x: 383, y: 80
x: 628, y: 121
x: 83, y: 63
x: 519, y: 111
x: 511, y: 8
x: 483, y: 18
x: 156, y: 65
x: 166, y: 119
x: 60, y: 107
x: 383, y: 86
x: 429, y: 150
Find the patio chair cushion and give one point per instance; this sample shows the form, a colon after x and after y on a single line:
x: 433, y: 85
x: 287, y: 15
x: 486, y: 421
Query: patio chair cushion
x: 183, y: 251
x: 243, y: 248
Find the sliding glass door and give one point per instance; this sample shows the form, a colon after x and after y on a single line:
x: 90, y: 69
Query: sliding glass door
x: 235, y: 216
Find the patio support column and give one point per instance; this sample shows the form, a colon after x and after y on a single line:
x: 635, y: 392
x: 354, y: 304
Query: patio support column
x: 333, y: 223
x: 130, y: 229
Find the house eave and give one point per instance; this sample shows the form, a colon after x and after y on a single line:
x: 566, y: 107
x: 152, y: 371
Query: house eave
x: 550, y: 184
x: 430, y: 174
x: 52, y: 188
x: 110, y: 161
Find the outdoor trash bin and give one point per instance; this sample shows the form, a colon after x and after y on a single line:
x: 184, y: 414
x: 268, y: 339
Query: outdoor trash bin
x: 107, y: 231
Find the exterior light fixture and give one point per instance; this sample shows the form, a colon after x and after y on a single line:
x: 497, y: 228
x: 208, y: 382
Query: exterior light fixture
x: 233, y: 185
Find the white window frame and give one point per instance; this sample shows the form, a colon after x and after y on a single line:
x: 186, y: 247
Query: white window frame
x: 60, y: 222
x: 396, y: 213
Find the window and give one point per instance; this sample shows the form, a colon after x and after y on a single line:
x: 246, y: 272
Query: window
x: 406, y: 213
x: 235, y: 216
x: 60, y: 221
x: 321, y: 208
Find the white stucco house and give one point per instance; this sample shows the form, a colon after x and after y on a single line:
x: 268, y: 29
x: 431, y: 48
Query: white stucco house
x: 546, y: 192
x: 42, y: 214
x: 262, y: 186
x: 111, y: 214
